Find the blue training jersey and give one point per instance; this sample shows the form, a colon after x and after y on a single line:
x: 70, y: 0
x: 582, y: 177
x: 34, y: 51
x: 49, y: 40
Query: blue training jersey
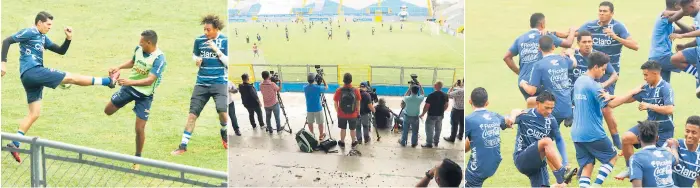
x: 588, y: 114
x: 661, y: 44
x: 662, y: 95
x: 603, y: 42
x: 696, y: 22
x: 686, y: 171
x: 31, y: 48
x: 312, y: 92
x: 582, y: 67
x: 484, y: 131
x: 551, y: 72
x: 527, y: 46
x: 212, y: 70
x: 652, y: 165
x: 532, y: 126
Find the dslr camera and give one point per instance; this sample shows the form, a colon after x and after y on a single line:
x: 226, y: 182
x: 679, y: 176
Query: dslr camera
x: 319, y: 74
x: 372, y: 92
x: 414, y: 80
x: 274, y: 77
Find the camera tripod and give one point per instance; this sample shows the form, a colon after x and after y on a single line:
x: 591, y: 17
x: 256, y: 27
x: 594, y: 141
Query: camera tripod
x: 286, y: 126
x: 326, y: 110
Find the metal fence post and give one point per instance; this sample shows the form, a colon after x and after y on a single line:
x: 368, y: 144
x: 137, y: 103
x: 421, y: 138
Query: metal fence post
x: 279, y: 70
x: 36, y: 163
x: 308, y: 69
x: 401, y: 79
x: 435, y: 72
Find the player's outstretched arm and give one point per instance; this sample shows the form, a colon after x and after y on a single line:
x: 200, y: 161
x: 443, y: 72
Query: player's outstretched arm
x: 674, y: 16
x: 665, y: 110
x: 144, y: 82
x: 569, y: 38
x: 508, y: 58
x: 510, y: 119
x: 613, y: 78
x: 5, y: 48
x: 467, y: 144
x: 529, y: 89
x: 682, y: 28
x: 628, y: 42
x: 691, y: 34
x: 60, y: 50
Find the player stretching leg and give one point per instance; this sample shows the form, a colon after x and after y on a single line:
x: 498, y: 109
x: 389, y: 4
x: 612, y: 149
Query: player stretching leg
x: 210, y: 54
x: 688, y: 59
x: 656, y: 97
x: 147, y: 66
x: 34, y: 76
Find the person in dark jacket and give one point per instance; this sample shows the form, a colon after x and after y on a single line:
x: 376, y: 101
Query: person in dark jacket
x: 251, y: 102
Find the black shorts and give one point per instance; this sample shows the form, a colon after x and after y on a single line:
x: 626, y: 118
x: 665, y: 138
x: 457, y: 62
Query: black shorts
x: 344, y: 123
x: 201, y: 95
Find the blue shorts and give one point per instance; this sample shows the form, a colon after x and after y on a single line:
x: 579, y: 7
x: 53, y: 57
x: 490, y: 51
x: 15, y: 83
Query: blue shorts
x: 665, y: 132
x: 471, y: 180
x: 691, y: 55
x: 666, y: 67
x: 601, y: 150
x: 530, y: 163
x: 127, y: 94
x: 526, y: 95
x: 35, y: 79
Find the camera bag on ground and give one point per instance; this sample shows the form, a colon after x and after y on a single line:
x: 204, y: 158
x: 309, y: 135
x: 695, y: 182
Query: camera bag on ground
x: 329, y: 143
x: 307, y: 142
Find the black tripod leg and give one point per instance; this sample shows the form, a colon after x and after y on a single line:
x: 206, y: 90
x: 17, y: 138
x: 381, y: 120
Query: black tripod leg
x: 375, y: 127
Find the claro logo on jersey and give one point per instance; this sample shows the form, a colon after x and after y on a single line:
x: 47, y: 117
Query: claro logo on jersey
x: 208, y: 54
x: 683, y: 171
x: 602, y: 41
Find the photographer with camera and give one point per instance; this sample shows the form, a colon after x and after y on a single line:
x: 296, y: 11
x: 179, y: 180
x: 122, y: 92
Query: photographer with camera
x: 314, y: 109
x: 412, y: 101
x: 382, y: 114
x: 457, y: 115
x: 366, y: 109
x: 269, y: 90
x: 251, y: 102
x: 435, y: 106
x: 347, y: 104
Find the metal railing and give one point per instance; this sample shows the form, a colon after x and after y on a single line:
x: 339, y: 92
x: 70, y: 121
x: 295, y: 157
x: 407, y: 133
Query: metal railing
x: 64, y: 157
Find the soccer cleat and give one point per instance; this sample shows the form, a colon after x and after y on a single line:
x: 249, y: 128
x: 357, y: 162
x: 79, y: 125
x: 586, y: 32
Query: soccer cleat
x: 570, y: 175
x: 180, y: 150
x: 113, y: 79
x: 624, y: 174
x: 136, y: 167
x: 224, y: 138
x: 14, y: 153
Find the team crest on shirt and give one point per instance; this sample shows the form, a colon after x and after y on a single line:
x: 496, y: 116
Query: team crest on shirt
x: 554, y: 62
x: 532, y: 36
x: 486, y: 116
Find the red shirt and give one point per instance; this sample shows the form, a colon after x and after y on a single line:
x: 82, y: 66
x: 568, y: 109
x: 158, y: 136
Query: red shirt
x: 336, y: 98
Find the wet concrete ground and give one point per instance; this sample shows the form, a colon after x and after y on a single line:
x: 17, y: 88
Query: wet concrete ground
x: 259, y: 159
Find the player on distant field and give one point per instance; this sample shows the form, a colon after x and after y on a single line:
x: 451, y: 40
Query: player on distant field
x: 590, y: 140
x: 347, y: 32
x: 236, y: 29
x: 391, y: 27
x: 286, y: 34
x: 534, y: 149
x: 255, y: 50
x: 330, y: 33
x: 259, y: 38
x: 247, y: 39
x: 147, y: 66
x: 483, y: 135
x: 526, y: 46
x: 652, y: 166
x: 34, y: 76
x: 656, y: 97
x: 551, y: 74
x: 210, y: 55
x: 372, y: 30
x: 688, y: 59
x: 686, y: 172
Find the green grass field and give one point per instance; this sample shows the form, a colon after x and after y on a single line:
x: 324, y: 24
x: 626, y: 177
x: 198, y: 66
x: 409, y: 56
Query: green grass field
x: 488, y: 38
x: 105, y: 34
x: 408, y: 47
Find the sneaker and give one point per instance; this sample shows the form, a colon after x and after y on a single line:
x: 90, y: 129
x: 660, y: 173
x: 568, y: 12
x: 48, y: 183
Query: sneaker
x: 136, y: 167
x: 448, y: 139
x: 354, y: 144
x: 180, y: 150
x: 113, y: 79
x: 414, y: 145
x: 14, y: 153
x: 460, y: 137
x: 367, y: 141
x: 341, y: 144
x: 426, y: 146
x: 570, y: 175
x: 237, y: 132
x: 224, y: 138
x: 624, y: 174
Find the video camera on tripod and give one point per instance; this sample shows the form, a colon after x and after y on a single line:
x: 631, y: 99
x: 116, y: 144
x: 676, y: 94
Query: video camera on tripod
x: 372, y: 92
x: 414, y: 80
x: 274, y: 77
x: 319, y: 75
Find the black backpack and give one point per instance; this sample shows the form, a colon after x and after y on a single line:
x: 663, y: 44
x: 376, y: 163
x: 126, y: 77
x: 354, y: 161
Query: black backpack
x: 348, y: 100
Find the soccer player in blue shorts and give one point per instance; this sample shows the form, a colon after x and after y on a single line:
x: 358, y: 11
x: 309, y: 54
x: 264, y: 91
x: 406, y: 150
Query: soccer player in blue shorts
x: 147, y: 66
x: 483, y: 139
x: 527, y: 47
x: 652, y: 166
x: 685, y: 173
x: 590, y: 140
x: 210, y: 54
x: 656, y: 97
x: 34, y: 76
x: 661, y: 43
x: 534, y: 148
x: 609, y: 35
x: 551, y: 74
x: 687, y: 60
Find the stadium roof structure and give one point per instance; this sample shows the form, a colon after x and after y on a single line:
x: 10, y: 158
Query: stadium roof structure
x: 452, y: 11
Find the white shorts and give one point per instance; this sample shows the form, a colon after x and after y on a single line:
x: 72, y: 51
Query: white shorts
x: 314, y: 117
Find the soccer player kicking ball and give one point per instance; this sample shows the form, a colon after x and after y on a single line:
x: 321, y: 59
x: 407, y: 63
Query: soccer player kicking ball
x: 534, y: 148
x: 590, y: 140
x: 483, y: 139
x: 652, y: 166
x: 656, y: 97
x: 34, y: 76
x: 687, y: 59
x: 686, y: 172
x: 210, y: 55
x: 551, y: 73
x: 147, y: 66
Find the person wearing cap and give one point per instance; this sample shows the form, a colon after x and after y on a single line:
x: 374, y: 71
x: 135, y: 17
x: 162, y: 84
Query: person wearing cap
x: 347, y: 114
x: 251, y: 102
x: 232, y: 108
x: 413, y: 98
x: 314, y: 109
x: 366, y: 107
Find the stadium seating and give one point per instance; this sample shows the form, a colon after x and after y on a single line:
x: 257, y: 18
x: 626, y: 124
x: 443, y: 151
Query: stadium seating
x: 247, y: 8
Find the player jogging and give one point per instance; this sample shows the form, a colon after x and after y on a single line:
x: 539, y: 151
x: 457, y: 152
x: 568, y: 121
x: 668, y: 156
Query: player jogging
x: 656, y: 97
x: 330, y: 33
x: 483, y: 139
x: 685, y: 173
x: 534, y: 148
x: 286, y: 34
x: 688, y: 59
x: 210, y: 55
x: 147, y: 67
x: 255, y: 50
x: 652, y: 166
x: 526, y: 46
x: 551, y: 74
x: 34, y: 76
x: 259, y: 38
x: 372, y: 30
x: 590, y: 140
x: 347, y: 32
